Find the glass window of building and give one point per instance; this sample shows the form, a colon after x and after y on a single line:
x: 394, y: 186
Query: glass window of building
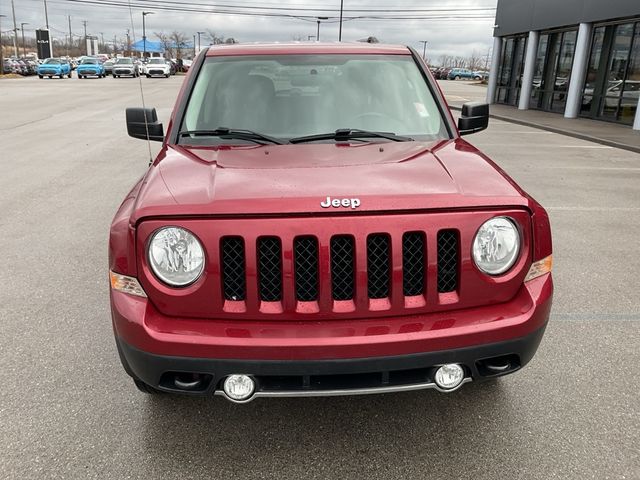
x: 612, y: 88
x: 553, y: 71
x: 511, y: 70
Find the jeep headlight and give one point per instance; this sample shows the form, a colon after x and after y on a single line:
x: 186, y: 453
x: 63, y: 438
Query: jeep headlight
x: 496, y: 246
x: 176, y: 256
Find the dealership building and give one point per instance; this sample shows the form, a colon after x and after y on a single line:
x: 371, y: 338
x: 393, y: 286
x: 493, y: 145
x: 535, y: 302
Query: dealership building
x: 577, y: 58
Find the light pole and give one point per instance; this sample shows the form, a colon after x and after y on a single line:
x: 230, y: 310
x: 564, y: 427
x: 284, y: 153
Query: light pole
x: 144, y: 34
x: 318, y: 33
x: 24, y: 49
x: 1, y: 52
x: 341, y: 9
x: 199, y: 45
x: 46, y: 15
x: 15, y: 31
x: 424, y: 50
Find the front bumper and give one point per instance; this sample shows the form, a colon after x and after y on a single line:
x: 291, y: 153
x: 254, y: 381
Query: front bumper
x: 286, y: 356
x: 123, y: 71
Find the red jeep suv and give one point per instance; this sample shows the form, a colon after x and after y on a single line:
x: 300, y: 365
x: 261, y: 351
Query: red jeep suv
x: 315, y: 225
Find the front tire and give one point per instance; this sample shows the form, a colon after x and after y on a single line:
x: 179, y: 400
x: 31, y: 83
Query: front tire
x: 457, y: 77
x: 40, y: 77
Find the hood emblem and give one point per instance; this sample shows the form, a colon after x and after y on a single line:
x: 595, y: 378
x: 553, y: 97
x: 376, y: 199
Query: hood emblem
x: 352, y: 203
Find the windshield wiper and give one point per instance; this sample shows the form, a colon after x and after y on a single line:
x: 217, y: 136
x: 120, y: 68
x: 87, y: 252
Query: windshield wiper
x: 230, y: 133
x: 344, y: 134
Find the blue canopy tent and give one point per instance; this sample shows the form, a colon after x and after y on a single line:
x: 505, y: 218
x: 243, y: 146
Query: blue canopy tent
x: 152, y: 47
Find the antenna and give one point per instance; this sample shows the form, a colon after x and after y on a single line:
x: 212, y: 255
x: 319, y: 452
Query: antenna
x: 146, y: 120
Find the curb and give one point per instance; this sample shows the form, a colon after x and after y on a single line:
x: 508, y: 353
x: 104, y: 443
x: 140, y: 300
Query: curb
x: 567, y: 133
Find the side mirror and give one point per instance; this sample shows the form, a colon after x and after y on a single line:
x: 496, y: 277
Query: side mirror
x: 474, y: 118
x: 143, y: 120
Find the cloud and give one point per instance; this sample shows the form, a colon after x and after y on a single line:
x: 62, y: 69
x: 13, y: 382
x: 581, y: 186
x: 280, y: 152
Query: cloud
x: 445, y: 36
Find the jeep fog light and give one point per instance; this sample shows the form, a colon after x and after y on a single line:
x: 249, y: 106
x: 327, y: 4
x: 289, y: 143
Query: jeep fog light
x: 539, y: 268
x: 125, y: 284
x: 496, y: 246
x: 176, y: 256
x: 239, y: 388
x: 449, y: 376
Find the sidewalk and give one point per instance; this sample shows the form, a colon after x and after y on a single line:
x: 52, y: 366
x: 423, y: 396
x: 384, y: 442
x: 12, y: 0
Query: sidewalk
x: 605, y: 133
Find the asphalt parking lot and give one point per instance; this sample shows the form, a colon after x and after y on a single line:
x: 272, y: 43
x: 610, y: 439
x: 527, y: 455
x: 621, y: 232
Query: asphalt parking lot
x: 68, y: 410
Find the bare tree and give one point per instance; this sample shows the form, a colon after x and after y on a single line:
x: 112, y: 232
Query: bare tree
x: 215, y: 38
x: 165, y: 40
x: 474, y: 62
x: 446, y: 61
x: 179, y: 41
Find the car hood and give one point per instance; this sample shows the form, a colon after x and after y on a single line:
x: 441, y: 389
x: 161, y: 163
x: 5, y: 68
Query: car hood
x: 296, y: 179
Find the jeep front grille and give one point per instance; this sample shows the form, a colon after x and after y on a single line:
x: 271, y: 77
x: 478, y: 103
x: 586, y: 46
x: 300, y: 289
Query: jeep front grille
x: 343, y: 268
x: 326, y: 267
x: 233, y: 269
x: 305, y: 251
x: 342, y: 259
x: 270, y: 269
x: 379, y: 266
x: 447, y: 261
x: 413, y: 264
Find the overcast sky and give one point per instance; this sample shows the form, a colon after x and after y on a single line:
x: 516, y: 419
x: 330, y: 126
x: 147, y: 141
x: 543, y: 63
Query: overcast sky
x: 445, y: 36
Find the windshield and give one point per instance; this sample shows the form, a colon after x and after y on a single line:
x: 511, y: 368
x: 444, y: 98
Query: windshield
x: 157, y: 61
x: 51, y: 61
x: 299, y: 95
x: 89, y: 61
x: 124, y: 61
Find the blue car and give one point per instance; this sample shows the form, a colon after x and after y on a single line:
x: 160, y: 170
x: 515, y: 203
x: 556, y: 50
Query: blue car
x: 91, y: 67
x: 458, y: 73
x: 54, y: 67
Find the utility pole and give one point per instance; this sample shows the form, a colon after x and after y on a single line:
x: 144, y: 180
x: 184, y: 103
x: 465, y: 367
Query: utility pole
x: 102, y: 38
x: 424, y: 50
x: 84, y: 24
x: 341, y: 9
x: 46, y: 15
x: 24, y: 48
x: 194, y: 46
x: 1, y: 51
x: 128, y: 44
x: 199, y: 45
x: 144, y: 34
x: 318, y: 33
x: 15, y: 32
x: 115, y: 45
x: 70, y: 38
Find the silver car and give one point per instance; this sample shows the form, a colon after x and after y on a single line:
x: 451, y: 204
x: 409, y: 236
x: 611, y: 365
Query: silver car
x: 126, y: 67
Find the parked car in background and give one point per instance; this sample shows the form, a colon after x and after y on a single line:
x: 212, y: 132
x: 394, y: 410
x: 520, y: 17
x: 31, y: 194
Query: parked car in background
x: 91, y: 67
x: 157, y: 67
x: 108, y: 66
x: 54, y: 67
x: 126, y: 66
x: 480, y: 75
x: 442, y: 73
x: 7, y: 66
x: 460, y: 73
